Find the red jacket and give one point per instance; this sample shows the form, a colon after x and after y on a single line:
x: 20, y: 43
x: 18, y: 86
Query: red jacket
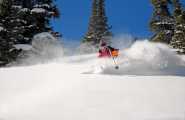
x: 105, y: 52
x: 108, y: 51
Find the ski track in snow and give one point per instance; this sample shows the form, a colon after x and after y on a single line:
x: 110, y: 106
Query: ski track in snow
x: 150, y: 85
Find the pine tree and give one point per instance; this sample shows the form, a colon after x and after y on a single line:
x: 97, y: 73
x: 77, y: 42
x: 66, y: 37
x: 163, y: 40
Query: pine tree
x: 27, y: 18
x: 178, y: 40
x: 21, y: 20
x: 4, y: 4
x: 91, y: 34
x: 43, y: 11
x: 103, y: 27
x: 98, y: 27
x: 162, y: 23
x: 8, y: 52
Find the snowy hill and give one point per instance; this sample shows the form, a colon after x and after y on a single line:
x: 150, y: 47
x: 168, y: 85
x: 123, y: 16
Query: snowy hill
x: 150, y: 85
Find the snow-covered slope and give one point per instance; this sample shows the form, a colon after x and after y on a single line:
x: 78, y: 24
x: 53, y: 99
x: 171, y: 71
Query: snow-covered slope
x: 150, y: 85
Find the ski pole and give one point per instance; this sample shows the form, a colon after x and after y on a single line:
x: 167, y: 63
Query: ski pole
x: 116, y: 66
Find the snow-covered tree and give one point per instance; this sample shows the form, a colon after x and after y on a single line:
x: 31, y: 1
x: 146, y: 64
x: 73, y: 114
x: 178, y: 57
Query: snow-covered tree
x: 20, y: 20
x: 98, y: 26
x: 27, y: 18
x: 43, y: 11
x: 162, y: 23
x: 8, y: 52
x: 91, y: 34
x: 103, y: 27
x: 178, y: 40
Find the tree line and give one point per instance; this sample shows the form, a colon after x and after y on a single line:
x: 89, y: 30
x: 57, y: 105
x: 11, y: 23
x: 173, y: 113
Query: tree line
x: 167, y: 24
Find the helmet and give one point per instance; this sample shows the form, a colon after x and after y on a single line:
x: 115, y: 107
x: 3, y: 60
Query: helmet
x: 103, y: 44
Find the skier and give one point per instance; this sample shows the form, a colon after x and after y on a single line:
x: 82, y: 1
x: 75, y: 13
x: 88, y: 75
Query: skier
x: 107, y: 51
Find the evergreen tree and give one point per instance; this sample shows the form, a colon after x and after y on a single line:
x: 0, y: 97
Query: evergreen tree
x: 103, y: 27
x: 162, y: 23
x: 178, y: 40
x: 27, y: 18
x: 8, y: 52
x: 21, y: 20
x: 4, y: 4
x: 98, y: 27
x: 43, y: 11
x: 91, y: 34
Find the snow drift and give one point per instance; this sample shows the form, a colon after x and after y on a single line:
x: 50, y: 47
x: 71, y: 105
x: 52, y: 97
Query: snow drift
x: 44, y: 49
x: 60, y: 90
x: 47, y: 46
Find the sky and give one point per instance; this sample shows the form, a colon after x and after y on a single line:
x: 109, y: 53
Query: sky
x: 125, y: 16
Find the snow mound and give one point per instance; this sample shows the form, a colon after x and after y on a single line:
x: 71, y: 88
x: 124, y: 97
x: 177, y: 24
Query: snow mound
x: 24, y: 47
x: 44, y: 48
x: 45, y: 44
x: 145, y: 58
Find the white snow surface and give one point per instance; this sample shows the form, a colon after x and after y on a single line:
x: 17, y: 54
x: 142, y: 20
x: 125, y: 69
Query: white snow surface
x: 38, y: 10
x: 23, y: 47
x: 150, y: 85
x: 1, y: 28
